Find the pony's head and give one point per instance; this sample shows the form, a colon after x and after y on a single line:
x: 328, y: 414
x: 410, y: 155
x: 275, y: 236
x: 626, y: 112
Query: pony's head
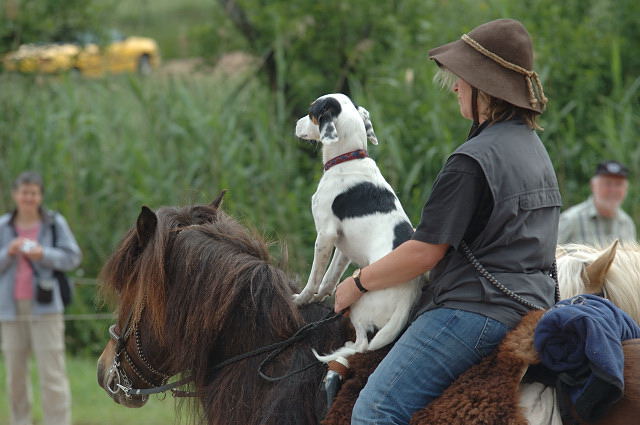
x: 613, y: 272
x: 184, y: 279
x: 136, y: 274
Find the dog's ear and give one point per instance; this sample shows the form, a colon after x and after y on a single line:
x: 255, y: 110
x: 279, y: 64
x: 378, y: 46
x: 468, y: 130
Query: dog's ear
x: 324, y: 112
x: 371, y: 136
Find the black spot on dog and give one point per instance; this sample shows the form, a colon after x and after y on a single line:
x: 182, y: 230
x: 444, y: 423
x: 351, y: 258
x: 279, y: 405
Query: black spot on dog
x: 324, y: 111
x: 363, y: 199
x: 327, y: 108
x: 402, y: 233
x: 329, y: 130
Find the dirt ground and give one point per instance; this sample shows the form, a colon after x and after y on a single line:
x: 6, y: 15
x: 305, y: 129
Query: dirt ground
x: 229, y: 64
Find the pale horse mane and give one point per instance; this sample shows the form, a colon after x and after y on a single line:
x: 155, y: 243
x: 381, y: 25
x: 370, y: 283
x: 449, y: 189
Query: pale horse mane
x: 621, y: 283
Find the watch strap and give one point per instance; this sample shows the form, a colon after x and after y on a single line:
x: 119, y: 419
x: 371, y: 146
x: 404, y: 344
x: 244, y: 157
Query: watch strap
x: 362, y: 289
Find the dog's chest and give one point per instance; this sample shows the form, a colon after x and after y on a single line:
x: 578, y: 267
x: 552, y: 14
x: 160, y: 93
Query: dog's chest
x: 351, y: 195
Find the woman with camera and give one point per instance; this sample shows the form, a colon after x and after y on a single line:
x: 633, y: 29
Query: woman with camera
x: 34, y: 243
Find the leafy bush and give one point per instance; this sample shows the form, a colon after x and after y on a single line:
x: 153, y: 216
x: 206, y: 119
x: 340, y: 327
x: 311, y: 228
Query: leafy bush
x: 30, y: 21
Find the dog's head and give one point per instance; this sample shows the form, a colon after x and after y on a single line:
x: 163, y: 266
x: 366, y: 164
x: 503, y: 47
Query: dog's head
x: 333, y: 117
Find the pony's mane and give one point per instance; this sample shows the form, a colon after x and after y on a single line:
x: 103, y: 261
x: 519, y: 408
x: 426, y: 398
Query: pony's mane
x: 200, y: 282
x: 622, y: 282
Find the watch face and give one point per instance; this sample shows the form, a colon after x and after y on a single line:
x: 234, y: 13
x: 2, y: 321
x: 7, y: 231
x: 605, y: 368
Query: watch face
x: 356, y: 273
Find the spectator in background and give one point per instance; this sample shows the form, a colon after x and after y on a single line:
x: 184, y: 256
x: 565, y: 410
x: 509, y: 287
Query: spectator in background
x: 599, y: 220
x: 31, y: 320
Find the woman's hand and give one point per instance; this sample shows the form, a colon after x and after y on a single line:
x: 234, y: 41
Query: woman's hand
x: 404, y: 263
x: 347, y: 293
x: 15, y: 245
x: 35, y: 253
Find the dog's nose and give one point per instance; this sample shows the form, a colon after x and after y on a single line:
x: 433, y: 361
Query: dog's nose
x: 302, y: 128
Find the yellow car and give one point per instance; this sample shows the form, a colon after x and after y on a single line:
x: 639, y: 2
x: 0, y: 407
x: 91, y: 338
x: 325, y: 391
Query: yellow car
x: 48, y: 58
x: 130, y: 54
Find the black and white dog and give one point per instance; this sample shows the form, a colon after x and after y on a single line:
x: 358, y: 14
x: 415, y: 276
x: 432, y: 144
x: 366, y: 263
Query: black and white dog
x: 356, y: 212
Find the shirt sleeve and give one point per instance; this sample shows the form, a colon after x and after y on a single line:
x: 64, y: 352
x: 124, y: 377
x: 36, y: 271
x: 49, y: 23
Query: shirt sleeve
x: 459, y: 205
x: 565, y: 228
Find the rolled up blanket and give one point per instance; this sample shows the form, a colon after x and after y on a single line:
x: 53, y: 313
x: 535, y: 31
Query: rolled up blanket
x: 581, y: 339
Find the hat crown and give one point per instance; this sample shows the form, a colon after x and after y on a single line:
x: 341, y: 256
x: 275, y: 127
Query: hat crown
x: 496, y: 58
x: 508, y: 39
x: 612, y: 168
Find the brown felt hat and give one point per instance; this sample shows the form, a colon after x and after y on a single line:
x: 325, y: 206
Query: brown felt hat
x: 497, y: 58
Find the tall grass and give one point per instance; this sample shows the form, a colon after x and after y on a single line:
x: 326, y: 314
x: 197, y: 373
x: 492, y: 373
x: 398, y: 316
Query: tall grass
x: 107, y: 147
x: 90, y: 405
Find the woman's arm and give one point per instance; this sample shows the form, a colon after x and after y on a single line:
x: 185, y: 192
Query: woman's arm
x: 66, y: 255
x: 9, y: 248
x: 404, y: 263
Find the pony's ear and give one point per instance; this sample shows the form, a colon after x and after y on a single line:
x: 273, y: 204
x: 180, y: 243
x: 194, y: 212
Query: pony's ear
x: 371, y: 136
x: 324, y: 112
x: 146, y: 226
x: 596, y: 271
x: 218, y: 201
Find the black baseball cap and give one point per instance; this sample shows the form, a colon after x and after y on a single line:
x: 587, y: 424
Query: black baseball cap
x: 612, y: 168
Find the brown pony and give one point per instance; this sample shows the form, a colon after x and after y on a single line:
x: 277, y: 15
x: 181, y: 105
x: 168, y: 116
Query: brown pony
x: 195, y: 288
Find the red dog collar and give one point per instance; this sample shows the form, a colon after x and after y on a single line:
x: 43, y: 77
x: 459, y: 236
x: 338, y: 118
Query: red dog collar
x: 359, y: 154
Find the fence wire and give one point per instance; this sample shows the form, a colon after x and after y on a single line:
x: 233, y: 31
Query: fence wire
x: 77, y: 281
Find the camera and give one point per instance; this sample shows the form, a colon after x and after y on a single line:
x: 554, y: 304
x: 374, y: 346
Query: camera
x: 28, y: 246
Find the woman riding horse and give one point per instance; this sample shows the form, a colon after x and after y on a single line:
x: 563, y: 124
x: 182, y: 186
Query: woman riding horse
x: 494, y: 205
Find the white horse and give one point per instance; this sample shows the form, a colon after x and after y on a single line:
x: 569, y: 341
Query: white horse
x: 613, y: 272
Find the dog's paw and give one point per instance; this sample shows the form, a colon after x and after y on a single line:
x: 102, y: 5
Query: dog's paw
x: 318, y: 298
x: 302, y: 298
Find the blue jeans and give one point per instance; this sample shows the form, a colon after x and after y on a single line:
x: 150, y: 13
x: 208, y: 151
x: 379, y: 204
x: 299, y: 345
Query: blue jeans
x: 436, y: 348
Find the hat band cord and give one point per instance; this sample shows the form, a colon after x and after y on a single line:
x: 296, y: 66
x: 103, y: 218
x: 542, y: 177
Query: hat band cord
x: 530, y: 76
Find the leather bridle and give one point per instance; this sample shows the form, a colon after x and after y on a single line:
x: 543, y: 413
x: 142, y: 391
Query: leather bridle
x: 119, y: 381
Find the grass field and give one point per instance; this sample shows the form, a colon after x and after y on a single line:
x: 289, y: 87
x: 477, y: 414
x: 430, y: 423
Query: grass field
x: 90, y: 404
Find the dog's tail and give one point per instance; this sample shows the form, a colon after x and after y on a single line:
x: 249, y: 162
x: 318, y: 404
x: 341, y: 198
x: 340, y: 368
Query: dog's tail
x: 340, y: 352
x: 390, y: 331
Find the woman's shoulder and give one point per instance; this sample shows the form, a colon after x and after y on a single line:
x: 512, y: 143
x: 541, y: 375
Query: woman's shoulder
x: 52, y: 217
x: 4, y: 219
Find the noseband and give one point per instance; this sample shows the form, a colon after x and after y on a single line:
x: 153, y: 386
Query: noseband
x: 117, y: 379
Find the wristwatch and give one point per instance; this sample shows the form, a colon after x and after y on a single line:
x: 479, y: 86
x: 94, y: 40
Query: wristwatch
x: 356, y: 279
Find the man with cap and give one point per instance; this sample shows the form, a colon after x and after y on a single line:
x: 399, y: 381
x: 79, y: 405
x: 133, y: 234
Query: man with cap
x: 493, y: 210
x: 599, y: 220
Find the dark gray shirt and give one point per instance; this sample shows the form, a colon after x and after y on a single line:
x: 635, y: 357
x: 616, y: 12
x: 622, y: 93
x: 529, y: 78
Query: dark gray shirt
x: 459, y: 205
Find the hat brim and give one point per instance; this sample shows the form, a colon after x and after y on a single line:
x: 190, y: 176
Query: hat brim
x: 483, y: 73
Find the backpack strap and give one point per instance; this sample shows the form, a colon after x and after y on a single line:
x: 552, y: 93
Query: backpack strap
x: 54, y: 233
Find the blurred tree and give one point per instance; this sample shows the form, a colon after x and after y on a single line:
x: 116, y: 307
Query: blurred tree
x: 27, y: 21
x: 312, y: 47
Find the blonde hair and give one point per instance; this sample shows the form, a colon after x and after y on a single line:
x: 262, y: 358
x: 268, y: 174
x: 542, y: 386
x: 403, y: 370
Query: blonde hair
x: 445, y: 78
